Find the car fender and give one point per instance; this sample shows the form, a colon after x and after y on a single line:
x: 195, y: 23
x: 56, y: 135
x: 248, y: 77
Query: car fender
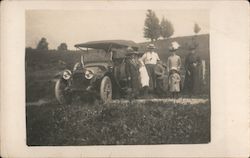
x: 57, y: 76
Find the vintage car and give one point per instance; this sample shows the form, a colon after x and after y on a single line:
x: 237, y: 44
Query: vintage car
x: 104, y: 79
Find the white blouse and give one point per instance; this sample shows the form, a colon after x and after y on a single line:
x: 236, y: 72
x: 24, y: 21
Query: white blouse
x: 150, y: 58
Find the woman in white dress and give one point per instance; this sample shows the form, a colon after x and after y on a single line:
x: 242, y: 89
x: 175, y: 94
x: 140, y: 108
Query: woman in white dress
x: 144, y: 78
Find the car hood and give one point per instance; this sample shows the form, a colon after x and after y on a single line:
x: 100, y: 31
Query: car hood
x: 102, y: 65
x: 97, y: 68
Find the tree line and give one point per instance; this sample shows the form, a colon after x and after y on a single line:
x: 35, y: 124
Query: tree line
x: 43, y: 45
x: 153, y: 30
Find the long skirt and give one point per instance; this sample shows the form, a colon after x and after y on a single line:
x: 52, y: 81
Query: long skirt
x: 192, y: 83
x: 144, y: 78
x: 152, y: 77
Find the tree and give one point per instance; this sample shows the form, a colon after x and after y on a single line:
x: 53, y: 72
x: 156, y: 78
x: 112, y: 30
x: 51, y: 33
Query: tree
x: 167, y: 29
x: 151, y: 26
x: 196, y: 28
x: 43, y: 44
x: 196, y: 31
x: 62, y: 47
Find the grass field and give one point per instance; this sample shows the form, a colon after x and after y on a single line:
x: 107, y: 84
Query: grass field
x: 123, y: 124
x: 118, y: 123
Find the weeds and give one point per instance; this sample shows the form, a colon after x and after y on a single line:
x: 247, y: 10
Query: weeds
x: 86, y: 124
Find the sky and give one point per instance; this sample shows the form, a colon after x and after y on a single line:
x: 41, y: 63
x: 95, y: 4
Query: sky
x: 79, y: 26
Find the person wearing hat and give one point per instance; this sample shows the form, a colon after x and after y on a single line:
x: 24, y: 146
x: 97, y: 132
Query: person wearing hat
x: 192, y: 83
x: 150, y: 59
x: 173, y: 60
x: 132, y: 71
x: 160, y: 71
x: 174, y: 82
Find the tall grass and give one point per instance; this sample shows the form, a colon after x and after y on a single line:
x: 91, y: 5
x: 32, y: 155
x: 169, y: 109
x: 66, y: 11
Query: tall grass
x: 124, y: 124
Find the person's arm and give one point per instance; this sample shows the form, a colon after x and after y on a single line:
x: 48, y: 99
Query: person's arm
x: 187, y: 64
x: 143, y: 57
x: 178, y: 78
x: 157, y: 57
x: 140, y: 62
x: 169, y: 80
x: 168, y: 64
x: 137, y: 62
x: 198, y: 60
x: 127, y: 68
x: 179, y: 64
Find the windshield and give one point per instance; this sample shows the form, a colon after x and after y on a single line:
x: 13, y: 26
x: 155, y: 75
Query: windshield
x: 94, y: 55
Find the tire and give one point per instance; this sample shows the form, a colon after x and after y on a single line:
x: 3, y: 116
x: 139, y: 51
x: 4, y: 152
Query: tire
x: 61, y: 97
x: 106, y: 90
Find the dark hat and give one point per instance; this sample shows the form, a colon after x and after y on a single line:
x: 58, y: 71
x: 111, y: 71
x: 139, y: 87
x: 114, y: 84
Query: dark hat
x: 171, y: 49
x: 193, y: 46
x: 159, y: 69
x: 131, y: 51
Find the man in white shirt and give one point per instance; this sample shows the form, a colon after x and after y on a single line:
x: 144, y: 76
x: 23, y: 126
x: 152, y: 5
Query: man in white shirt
x: 150, y: 59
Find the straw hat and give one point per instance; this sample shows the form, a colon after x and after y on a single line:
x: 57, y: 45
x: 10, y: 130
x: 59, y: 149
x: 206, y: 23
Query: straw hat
x: 151, y: 46
x: 174, y: 46
x: 174, y: 68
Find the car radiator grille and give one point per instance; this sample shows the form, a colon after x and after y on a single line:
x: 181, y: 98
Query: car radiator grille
x: 79, y: 81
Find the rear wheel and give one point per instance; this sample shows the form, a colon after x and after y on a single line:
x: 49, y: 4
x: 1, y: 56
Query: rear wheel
x: 106, y: 89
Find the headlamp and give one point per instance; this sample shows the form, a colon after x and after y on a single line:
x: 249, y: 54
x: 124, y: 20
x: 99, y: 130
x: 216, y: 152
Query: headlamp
x: 67, y: 74
x: 89, y: 74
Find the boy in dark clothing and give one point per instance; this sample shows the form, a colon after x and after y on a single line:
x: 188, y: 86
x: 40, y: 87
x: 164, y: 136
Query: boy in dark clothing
x: 160, y: 76
x: 132, y: 71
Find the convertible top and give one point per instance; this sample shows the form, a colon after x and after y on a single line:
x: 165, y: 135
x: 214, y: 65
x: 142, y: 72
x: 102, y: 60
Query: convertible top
x: 107, y: 44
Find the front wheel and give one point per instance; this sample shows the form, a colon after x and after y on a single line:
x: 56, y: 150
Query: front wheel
x: 106, y: 89
x: 60, y: 93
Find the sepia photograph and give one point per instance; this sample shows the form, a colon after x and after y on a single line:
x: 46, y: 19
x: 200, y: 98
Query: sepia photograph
x: 124, y: 79
x: 117, y: 77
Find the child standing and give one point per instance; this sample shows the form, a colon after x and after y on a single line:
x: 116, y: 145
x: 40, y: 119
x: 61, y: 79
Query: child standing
x: 174, y: 83
x: 160, y: 76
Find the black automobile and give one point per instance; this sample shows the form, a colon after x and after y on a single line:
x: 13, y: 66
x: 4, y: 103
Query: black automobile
x: 104, y: 79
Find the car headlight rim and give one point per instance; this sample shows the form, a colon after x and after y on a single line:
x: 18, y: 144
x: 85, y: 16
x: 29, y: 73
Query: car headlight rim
x: 67, y: 74
x: 89, y: 74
